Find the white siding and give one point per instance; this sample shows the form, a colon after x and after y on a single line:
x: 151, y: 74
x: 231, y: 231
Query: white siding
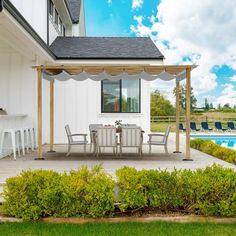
x: 35, y: 12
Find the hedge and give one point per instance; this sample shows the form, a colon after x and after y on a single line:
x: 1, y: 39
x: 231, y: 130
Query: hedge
x: 39, y: 193
x: 215, y: 150
x: 211, y: 191
x: 91, y: 192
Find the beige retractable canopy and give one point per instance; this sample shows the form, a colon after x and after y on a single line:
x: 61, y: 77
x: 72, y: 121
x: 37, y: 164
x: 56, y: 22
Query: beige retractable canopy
x: 98, y: 72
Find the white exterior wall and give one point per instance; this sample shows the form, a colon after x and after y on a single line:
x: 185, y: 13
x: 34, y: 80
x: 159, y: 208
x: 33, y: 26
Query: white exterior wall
x: 18, y: 89
x: 79, y: 104
x: 35, y: 12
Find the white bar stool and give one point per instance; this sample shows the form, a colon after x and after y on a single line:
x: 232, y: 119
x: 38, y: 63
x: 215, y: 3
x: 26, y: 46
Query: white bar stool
x: 31, y: 133
x: 14, y: 140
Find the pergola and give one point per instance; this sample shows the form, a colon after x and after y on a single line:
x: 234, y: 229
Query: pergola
x: 99, y: 72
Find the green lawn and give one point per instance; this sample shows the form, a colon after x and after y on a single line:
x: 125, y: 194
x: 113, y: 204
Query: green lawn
x: 154, y: 228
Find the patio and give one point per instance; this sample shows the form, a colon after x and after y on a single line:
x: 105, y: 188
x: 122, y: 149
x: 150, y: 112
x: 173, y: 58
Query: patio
x: 59, y: 162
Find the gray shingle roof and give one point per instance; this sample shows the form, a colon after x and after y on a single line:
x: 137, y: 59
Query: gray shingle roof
x: 74, y: 10
x: 105, y: 48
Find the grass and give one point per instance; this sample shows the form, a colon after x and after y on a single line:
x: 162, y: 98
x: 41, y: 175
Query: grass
x: 102, y: 229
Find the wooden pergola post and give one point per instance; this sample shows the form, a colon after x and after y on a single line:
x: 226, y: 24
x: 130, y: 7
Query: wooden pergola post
x: 177, y: 120
x: 40, y: 115
x: 188, y: 113
x: 51, y: 116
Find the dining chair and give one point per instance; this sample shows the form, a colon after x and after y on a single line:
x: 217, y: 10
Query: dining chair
x: 71, y: 140
x: 159, y: 139
x: 106, y: 138
x: 131, y: 137
x: 92, y: 130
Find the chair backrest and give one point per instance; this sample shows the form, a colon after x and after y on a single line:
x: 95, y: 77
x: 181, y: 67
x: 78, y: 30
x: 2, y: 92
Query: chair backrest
x: 230, y: 125
x: 106, y: 137
x: 218, y: 125
x: 129, y: 126
x: 181, y: 126
x: 193, y: 125
x: 166, y: 135
x: 68, y: 133
x: 131, y: 136
x: 94, y: 127
x: 204, y: 125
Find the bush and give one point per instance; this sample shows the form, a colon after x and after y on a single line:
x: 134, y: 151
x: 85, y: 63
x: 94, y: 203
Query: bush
x: 211, y: 191
x: 35, y: 194
x: 213, y: 149
x: 90, y: 192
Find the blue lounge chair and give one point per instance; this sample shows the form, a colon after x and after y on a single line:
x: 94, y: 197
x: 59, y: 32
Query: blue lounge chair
x: 181, y: 127
x: 218, y: 126
x: 193, y: 126
x: 205, y: 126
x: 231, y: 126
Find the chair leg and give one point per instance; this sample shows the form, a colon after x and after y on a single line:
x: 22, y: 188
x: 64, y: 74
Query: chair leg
x: 150, y: 149
x: 13, y: 140
x: 22, y: 135
x: 2, y: 142
x: 69, y: 149
x: 166, y: 150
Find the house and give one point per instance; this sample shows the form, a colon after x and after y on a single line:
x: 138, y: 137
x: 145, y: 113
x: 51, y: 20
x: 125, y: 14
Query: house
x: 53, y: 32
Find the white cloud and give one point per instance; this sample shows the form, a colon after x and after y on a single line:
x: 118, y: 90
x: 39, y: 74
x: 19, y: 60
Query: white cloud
x: 109, y: 2
x: 233, y: 79
x: 228, y: 95
x: 137, y: 4
x: 198, y: 32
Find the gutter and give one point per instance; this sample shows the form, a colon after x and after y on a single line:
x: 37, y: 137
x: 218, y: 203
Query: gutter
x: 7, y: 5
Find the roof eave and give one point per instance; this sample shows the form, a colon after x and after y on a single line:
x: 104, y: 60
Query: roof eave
x: 7, y: 5
x: 72, y: 20
x: 109, y: 58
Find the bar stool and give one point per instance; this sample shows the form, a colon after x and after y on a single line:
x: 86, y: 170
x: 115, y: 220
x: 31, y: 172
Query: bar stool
x: 31, y: 132
x: 24, y: 138
x: 15, y: 136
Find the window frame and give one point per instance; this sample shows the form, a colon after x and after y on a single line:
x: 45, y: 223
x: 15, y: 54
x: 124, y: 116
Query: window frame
x: 56, y: 18
x: 121, y: 112
x: 51, y: 5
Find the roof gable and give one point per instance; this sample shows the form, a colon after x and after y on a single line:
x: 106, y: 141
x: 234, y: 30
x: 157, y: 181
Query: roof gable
x: 73, y: 7
x: 105, y: 48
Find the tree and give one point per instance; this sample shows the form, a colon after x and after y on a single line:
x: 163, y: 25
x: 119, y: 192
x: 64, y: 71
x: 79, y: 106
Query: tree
x: 160, y: 106
x: 207, y: 106
x: 211, y: 106
x: 182, y: 98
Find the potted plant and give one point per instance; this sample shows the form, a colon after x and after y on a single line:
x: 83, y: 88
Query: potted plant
x: 118, y: 125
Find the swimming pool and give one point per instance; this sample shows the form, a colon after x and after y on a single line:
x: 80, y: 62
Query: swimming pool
x: 228, y: 141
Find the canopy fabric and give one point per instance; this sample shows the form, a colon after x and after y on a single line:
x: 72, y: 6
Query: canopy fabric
x: 114, y: 73
x: 64, y: 76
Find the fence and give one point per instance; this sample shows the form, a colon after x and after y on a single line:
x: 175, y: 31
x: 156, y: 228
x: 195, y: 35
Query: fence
x: 198, y: 119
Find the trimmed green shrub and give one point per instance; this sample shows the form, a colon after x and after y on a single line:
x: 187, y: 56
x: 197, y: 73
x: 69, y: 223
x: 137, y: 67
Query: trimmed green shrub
x: 34, y: 194
x: 211, y: 191
x: 213, y: 149
x: 90, y: 192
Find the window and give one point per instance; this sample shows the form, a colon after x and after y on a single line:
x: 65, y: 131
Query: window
x: 56, y: 17
x: 60, y: 25
x: 64, y: 31
x: 51, y: 8
x: 121, y: 96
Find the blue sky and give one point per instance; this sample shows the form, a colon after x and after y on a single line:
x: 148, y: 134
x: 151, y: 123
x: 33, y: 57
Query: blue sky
x: 185, y: 31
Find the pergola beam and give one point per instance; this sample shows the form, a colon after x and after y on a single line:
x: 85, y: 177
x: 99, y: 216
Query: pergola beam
x: 177, y: 94
x: 188, y: 114
x: 51, y: 116
x: 40, y: 115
